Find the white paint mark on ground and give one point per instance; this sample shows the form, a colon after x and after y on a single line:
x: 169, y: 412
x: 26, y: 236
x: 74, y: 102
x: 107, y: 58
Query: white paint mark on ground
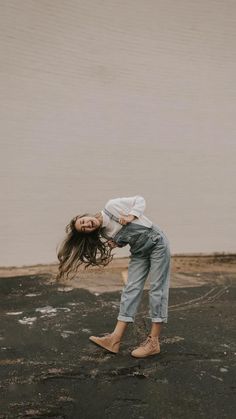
x: 46, y: 310
x: 173, y: 339
x: 223, y: 369
x: 66, y: 333
x: 65, y: 289
x: 216, y: 378
x: 49, y: 311
x: 27, y: 320
x: 225, y: 345
x: 66, y: 309
x: 86, y: 330
x: 14, y: 313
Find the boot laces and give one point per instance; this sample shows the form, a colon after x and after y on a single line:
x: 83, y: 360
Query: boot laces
x: 148, y: 340
x: 145, y: 341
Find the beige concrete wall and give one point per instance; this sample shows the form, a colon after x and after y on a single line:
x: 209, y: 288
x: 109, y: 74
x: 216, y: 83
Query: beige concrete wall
x: 108, y: 98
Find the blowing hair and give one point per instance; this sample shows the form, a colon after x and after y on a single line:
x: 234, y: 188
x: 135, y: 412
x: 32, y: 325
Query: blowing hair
x: 80, y: 248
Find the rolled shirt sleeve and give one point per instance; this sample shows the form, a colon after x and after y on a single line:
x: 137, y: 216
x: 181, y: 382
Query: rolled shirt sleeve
x: 134, y: 205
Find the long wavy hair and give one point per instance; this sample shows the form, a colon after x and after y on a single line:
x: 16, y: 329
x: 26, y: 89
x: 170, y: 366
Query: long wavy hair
x: 77, y: 248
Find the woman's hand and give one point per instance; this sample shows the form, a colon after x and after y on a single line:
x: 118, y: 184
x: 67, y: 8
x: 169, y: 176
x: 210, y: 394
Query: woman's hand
x: 126, y: 219
x: 112, y: 244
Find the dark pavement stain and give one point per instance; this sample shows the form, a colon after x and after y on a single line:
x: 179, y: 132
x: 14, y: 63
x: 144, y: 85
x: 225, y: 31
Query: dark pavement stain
x: 49, y: 368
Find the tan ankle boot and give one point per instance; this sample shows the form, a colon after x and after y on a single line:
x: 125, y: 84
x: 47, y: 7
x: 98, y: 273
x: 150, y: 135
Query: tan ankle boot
x: 149, y: 347
x: 110, y: 342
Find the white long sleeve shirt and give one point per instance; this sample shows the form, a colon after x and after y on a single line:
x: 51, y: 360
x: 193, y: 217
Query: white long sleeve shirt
x: 134, y: 205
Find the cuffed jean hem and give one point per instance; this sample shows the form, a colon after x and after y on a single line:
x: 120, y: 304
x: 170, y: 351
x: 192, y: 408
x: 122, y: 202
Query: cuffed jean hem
x: 159, y: 319
x: 125, y: 318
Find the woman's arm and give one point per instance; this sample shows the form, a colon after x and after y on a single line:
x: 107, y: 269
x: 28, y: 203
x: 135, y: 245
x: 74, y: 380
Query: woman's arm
x: 112, y: 244
x: 126, y: 219
x: 137, y: 203
x: 127, y: 208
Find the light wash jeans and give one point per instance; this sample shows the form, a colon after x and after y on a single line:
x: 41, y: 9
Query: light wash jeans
x: 157, y: 265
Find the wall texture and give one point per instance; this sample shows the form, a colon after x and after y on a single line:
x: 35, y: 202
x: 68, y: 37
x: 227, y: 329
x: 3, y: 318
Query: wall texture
x: 107, y: 98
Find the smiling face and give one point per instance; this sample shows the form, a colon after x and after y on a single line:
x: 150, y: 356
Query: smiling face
x: 87, y: 224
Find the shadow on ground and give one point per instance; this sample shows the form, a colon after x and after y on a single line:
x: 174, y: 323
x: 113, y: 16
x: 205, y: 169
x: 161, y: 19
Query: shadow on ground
x: 49, y: 368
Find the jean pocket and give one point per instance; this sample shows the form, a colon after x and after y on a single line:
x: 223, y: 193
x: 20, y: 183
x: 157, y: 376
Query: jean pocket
x: 156, y: 237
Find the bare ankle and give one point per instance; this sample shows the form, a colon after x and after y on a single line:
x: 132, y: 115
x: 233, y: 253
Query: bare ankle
x: 117, y: 335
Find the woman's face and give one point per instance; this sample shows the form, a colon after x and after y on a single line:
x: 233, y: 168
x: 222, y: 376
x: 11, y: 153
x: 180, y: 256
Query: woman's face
x: 87, y: 224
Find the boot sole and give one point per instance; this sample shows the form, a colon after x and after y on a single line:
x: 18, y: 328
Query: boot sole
x: 146, y: 356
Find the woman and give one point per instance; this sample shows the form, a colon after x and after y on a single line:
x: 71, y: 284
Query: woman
x: 90, y: 241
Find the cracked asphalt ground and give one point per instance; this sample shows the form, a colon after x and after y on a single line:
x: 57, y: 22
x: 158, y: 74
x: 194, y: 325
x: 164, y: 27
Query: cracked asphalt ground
x: 49, y: 368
